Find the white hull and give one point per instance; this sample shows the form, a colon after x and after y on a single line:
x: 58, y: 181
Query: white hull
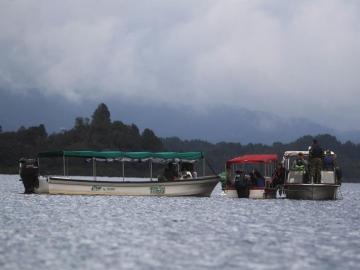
x: 231, y: 193
x: 202, y: 186
x: 43, y: 186
x: 254, y: 193
x: 257, y: 194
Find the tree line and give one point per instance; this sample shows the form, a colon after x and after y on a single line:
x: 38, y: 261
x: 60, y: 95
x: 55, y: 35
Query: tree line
x: 348, y: 153
x: 101, y: 133
x: 97, y: 133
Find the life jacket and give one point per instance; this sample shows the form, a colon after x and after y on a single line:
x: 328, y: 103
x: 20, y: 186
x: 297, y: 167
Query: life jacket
x: 299, y: 167
x: 300, y: 162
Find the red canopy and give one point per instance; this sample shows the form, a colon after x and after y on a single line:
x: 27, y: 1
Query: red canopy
x: 266, y: 158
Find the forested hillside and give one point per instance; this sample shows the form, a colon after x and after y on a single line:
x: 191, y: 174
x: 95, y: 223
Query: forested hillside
x: 101, y: 133
x: 348, y: 154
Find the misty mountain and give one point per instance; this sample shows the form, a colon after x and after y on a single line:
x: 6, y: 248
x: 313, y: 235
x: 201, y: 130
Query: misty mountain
x: 236, y: 125
x: 213, y: 124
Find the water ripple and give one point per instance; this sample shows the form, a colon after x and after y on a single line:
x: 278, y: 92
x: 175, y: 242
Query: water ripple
x: 66, y: 232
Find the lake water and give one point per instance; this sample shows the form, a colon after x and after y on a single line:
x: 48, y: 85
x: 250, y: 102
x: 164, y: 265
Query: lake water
x: 109, y: 232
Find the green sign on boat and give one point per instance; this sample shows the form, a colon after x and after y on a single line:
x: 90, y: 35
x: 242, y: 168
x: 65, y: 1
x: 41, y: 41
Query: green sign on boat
x: 157, y: 190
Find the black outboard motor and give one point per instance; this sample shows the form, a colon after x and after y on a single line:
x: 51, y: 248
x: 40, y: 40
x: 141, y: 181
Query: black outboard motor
x: 29, y: 173
x: 242, y: 186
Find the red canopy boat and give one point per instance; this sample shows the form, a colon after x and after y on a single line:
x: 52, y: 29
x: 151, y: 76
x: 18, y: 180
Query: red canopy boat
x: 239, y: 183
x: 262, y: 158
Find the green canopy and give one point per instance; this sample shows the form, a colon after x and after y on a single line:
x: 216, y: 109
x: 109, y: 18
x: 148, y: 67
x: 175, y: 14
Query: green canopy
x: 177, y: 156
x: 82, y: 154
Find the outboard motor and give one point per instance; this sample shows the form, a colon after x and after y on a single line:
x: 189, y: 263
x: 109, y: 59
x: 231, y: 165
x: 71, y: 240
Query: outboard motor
x: 29, y: 173
x: 242, y: 186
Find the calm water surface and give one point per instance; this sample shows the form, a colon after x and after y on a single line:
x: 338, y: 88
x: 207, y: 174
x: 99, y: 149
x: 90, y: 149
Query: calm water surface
x: 109, y: 232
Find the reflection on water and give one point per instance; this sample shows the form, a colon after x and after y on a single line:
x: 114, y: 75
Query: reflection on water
x: 66, y: 232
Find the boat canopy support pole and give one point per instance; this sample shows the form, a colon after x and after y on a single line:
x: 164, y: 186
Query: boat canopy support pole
x: 287, y: 166
x: 151, y: 170
x: 203, y: 166
x: 123, y: 170
x: 38, y: 164
x: 94, y: 168
x: 265, y: 166
x: 67, y: 166
x: 64, y: 161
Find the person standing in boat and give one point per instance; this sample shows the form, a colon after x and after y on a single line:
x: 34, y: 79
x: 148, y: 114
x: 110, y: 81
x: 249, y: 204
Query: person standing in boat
x: 278, y: 176
x: 330, y: 164
x: 259, y: 179
x: 329, y: 161
x: 316, y: 155
x: 241, y: 184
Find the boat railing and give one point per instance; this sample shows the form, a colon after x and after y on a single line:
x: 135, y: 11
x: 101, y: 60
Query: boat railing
x: 298, y: 177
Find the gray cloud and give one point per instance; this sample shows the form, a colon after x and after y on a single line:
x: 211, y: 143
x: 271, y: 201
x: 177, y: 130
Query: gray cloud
x: 294, y: 58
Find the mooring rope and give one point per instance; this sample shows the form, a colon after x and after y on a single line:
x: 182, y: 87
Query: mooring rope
x: 211, y: 168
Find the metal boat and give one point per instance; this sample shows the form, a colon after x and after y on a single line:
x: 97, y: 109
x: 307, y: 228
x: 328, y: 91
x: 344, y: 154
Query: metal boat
x: 299, y: 184
x: 311, y: 191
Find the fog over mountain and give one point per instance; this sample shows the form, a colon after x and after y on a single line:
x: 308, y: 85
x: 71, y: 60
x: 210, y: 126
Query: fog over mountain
x: 219, y: 124
x: 200, y: 62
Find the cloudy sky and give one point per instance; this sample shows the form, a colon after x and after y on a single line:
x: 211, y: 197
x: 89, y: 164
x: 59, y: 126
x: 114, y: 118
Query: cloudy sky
x: 293, y: 58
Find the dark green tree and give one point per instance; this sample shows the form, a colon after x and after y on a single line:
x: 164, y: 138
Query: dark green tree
x: 99, y: 137
x: 101, y: 118
x: 81, y: 123
x: 150, y: 142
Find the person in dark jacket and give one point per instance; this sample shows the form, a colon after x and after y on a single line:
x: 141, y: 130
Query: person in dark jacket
x: 329, y: 161
x: 241, y: 184
x: 170, y: 172
x: 258, y: 178
x: 278, y: 176
x: 316, y: 155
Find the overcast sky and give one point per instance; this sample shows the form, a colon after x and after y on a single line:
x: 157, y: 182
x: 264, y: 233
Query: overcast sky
x: 293, y: 58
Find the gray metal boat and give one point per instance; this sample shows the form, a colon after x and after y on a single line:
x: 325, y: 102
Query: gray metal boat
x: 299, y: 185
x: 311, y: 191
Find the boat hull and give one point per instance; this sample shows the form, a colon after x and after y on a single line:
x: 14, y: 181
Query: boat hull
x: 251, y: 193
x: 311, y: 191
x: 202, y: 187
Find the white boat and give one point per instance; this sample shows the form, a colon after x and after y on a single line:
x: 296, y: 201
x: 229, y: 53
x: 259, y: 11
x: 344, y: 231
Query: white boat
x: 188, y: 185
x: 300, y: 186
x: 201, y: 186
x: 244, y: 187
